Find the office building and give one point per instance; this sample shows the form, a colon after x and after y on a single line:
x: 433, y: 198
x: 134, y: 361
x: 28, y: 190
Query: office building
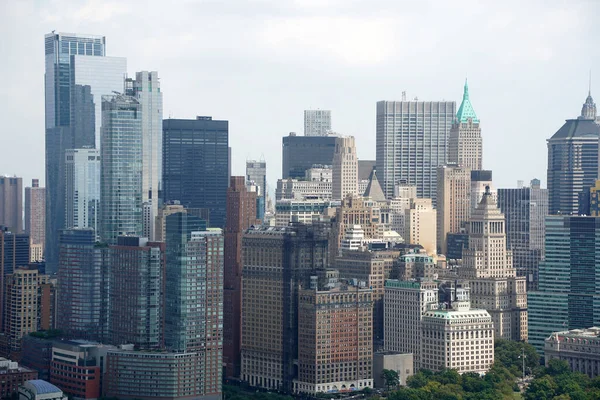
x: 566, y: 297
x: 415, y: 266
x: 403, y: 196
x: 77, y: 75
x: 136, y: 282
x: 404, y: 304
x: 317, y: 122
x: 464, y: 141
x: 14, y: 251
x: 38, y: 389
x: 488, y: 266
x: 241, y: 215
x: 11, y: 203
x: 304, y: 211
x: 453, y: 202
x: 480, y: 180
x: 456, y: 243
x: 121, y: 168
x: 293, y: 189
x: 35, y: 214
x: 36, y: 352
x: 196, y: 165
x: 525, y: 210
x: 420, y: 225
x: 78, y: 367
x: 412, y: 141
x: 82, y: 276
x: 300, y: 153
x: 573, y: 162
x: 578, y: 347
x: 82, y: 188
x: 457, y: 337
x: 256, y: 171
x: 335, y: 344
x: 345, y: 168
x: 13, y: 376
x: 143, y: 375
x: 146, y: 89
x: 194, y: 296
x: 275, y: 261
x: 28, y: 306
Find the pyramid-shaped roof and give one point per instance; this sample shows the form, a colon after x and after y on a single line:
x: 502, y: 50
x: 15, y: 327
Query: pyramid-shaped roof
x: 466, y: 111
x: 487, y: 208
x: 374, y: 190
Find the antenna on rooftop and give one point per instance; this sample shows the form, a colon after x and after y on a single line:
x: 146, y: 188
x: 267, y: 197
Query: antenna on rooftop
x: 404, y: 95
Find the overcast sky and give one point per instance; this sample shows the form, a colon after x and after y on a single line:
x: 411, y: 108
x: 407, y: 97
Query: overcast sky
x: 260, y: 63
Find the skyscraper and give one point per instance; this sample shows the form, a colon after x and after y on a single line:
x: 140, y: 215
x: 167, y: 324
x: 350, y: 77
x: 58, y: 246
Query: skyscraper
x: 300, y: 153
x: 412, y: 141
x: 256, y: 171
x: 454, y: 201
x: 420, y: 225
x: 573, y: 162
x: 35, y: 213
x: 345, y: 168
x: 146, y: 89
x: 77, y: 74
x: 317, y: 122
x: 196, y: 164
x: 82, y: 188
x: 14, y: 253
x: 82, y: 277
x: 136, y: 293
x: 11, y: 203
x: 241, y: 214
x: 487, y: 265
x: 567, y: 295
x: 525, y: 210
x: 464, y: 142
x: 121, y: 168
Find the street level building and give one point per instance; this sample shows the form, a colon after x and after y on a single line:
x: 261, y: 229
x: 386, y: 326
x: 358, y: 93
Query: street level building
x: 579, y: 347
x: 12, y: 375
x: 38, y: 389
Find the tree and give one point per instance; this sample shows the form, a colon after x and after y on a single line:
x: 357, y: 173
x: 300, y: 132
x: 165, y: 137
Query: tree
x: 418, y: 380
x: 391, y: 378
x: 508, y: 354
x: 557, y: 367
x: 543, y: 388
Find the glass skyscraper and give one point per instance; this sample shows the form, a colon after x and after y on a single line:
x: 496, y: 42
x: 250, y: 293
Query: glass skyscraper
x: 77, y: 74
x: 82, y: 188
x: 569, y: 277
x: 121, y: 168
x: 412, y: 141
x: 256, y: 171
x: 196, y: 165
x: 300, y: 153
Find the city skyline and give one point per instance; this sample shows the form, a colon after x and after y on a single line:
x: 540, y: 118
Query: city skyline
x: 519, y: 77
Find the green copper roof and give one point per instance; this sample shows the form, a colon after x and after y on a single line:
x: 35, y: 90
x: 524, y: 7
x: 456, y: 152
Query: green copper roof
x: 466, y: 110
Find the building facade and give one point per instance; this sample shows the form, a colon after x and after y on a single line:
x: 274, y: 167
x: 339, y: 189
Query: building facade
x: 35, y: 214
x: 317, y: 122
x: 11, y: 203
x: 304, y: 211
x: 345, y: 168
x: 300, y: 153
x: 121, y: 168
x: 82, y: 188
x: 256, y: 171
x: 464, y: 142
x: 38, y: 389
x: 293, y: 189
x: 579, y: 347
x: 480, y: 181
x: 412, y: 141
x: 453, y: 202
x: 420, y: 225
x: 196, y: 165
x: 13, y: 375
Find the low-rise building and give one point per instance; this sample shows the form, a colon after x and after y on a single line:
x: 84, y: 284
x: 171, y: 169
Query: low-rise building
x: 39, y: 389
x: 11, y: 376
x: 401, y: 363
x: 579, y: 347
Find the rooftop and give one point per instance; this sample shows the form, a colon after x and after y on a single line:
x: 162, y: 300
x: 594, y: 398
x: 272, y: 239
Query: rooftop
x: 42, y: 387
x: 578, y: 128
x: 466, y: 111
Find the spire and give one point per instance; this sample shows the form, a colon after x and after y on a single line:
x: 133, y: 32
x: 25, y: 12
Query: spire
x: 466, y: 111
x: 374, y: 188
x: 588, y: 111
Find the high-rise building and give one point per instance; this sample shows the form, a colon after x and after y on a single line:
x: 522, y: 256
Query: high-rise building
x: 300, y: 153
x: 35, y: 213
x: 82, y: 279
x: 121, y: 168
x: 194, y: 296
x: 420, y: 225
x: 14, y: 253
x: 241, y: 215
x: 275, y: 261
x: 464, y: 142
x: 11, y: 203
x: 335, y: 345
x: 256, y: 171
x: 77, y: 75
x: 453, y: 201
x: 136, y: 293
x: 573, y: 162
x: 82, y: 188
x: 29, y: 299
x: 146, y: 89
x: 525, y: 210
x: 488, y: 266
x: 567, y: 295
x: 345, y: 168
x: 480, y: 181
x: 294, y: 189
x: 404, y: 304
x: 317, y: 122
x: 161, y: 219
x: 356, y: 210
x: 196, y: 164
x: 412, y: 141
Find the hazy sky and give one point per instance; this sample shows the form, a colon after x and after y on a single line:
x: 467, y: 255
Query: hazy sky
x: 260, y: 63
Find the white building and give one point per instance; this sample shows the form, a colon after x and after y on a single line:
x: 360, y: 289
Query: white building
x: 345, y: 168
x: 38, y: 389
x: 579, y: 347
x: 304, y: 211
x: 317, y: 122
x: 298, y: 190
